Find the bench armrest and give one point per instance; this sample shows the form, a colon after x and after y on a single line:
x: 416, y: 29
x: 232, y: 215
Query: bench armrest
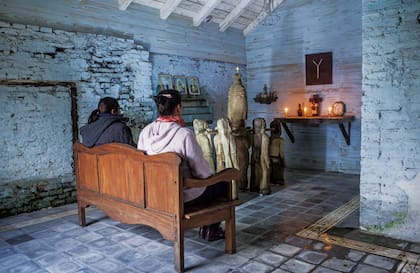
x: 225, y: 175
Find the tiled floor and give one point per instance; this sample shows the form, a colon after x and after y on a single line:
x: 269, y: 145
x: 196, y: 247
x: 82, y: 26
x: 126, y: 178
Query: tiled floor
x: 51, y: 240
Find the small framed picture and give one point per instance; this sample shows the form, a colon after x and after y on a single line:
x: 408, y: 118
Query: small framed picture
x: 180, y: 84
x: 193, y: 86
x: 164, y: 82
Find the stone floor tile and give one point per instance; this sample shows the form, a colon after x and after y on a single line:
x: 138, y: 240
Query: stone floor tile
x: 136, y: 241
x: 271, y: 258
x: 6, y: 235
x: 286, y: 249
x: 381, y: 262
x: 312, y: 257
x: 12, y: 260
x: 321, y: 269
x: 297, y: 266
x: 65, y: 244
x: 355, y: 255
x: 362, y: 268
x: 99, y: 243
x: 298, y: 241
x: 63, y: 227
x: 25, y: 267
x: 279, y: 270
x: 107, y: 265
x: 34, y: 248
x: 65, y: 267
x: 52, y: 258
x: 78, y: 250
x: 254, y: 266
x: 339, y: 264
x: 19, y: 239
x: 210, y: 253
x: 108, y: 231
x: 210, y: 267
x: 250, y: 251
x: 147, y: 264
x: 90, y: 257
x: 153, y: 248
x: 234, y: 260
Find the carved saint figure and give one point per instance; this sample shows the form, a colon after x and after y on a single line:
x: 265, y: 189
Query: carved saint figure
x: 225, y: 146
x: 237, y: 102
x: 204, y: 140
x: 243, y: 143
x: 276, y: 153
x: 260, y: 160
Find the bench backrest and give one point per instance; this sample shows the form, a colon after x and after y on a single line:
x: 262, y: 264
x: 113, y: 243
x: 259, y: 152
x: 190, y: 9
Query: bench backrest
x: 124, y: 173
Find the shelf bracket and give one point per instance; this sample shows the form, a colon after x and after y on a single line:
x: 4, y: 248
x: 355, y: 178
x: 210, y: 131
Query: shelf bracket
x: 288, y: 132
x: 346, y: 134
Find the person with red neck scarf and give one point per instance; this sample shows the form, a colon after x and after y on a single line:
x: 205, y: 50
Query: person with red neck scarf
x: 169, y: 134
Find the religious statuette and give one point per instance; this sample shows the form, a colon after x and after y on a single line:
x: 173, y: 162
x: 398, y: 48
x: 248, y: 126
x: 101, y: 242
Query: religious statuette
x: 338, y: 108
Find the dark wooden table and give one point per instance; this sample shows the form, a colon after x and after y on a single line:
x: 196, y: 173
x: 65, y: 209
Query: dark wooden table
x: 316, y: 121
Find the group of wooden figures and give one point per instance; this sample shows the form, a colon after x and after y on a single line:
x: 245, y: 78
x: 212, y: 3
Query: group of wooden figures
x: 236, y: 146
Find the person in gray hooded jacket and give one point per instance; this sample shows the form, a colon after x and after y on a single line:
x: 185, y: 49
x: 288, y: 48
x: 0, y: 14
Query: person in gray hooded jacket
x: 106, y: 125
x: 168, y: 134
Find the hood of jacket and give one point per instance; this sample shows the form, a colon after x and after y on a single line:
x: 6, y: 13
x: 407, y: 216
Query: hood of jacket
x: 158, y: 135
x: 91, y: 132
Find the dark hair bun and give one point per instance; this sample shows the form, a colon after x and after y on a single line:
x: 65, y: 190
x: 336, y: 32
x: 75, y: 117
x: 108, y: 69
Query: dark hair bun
x: 167, y: 100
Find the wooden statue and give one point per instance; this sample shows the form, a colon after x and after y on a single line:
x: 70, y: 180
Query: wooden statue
x: 243, y: 143
x: 204, y: 140
x: 276, y: 153
x: 225, y: 147
x: 237, y: 102
x: 260, y: 160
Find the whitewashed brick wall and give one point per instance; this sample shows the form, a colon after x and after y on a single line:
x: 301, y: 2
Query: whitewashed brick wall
x: 390, y: 179
x: 276, y: 56
x: 35, y: 172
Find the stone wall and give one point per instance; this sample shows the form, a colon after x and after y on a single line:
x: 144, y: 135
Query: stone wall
x: 215, y: 77
x: 390, y: 180
x: 276, y: 52
x: 37, y: 172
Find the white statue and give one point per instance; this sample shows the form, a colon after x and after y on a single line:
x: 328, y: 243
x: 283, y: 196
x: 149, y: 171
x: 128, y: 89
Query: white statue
x: 225, y: 147
x: 204, y: 140
x: 260, y: 159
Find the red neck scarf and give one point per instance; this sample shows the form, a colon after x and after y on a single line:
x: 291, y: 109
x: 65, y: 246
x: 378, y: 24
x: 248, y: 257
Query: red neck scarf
x: 177, y: 119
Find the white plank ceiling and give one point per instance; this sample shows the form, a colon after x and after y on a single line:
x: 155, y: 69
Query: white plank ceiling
x: 240, y: 14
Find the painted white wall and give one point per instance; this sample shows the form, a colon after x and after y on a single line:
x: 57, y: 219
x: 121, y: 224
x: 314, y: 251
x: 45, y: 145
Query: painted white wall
x: 275, y: 53
x: 390, y: 179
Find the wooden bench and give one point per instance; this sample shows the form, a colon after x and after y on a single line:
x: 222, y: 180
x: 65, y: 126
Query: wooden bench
x: 134, y: 188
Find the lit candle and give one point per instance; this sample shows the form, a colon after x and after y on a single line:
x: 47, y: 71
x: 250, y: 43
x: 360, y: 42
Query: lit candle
x: 329, y: 111
x: 285, y: 111
x: 237, y: 69
x: 304, y: 111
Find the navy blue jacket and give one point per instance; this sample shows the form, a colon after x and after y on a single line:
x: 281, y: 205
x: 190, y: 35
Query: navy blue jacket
x: 107, y: 129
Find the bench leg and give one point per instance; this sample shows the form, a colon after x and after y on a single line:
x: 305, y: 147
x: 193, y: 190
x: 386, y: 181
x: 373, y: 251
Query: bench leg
x: 82, y: 214
x: 179, y: 251
x: 230, y: 240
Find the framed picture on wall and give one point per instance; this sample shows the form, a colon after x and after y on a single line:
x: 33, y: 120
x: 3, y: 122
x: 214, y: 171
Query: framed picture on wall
x: 164, y: 82
x: 193, y: 86
x: 180, y: 84
x: 318, y: 68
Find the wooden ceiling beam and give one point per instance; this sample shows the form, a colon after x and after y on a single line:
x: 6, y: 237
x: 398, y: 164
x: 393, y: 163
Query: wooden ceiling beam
x: 260, y: 17
x: 168, y: 8
x: 233, y: 15
x: 123, y: 4
x: 205, y: 11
